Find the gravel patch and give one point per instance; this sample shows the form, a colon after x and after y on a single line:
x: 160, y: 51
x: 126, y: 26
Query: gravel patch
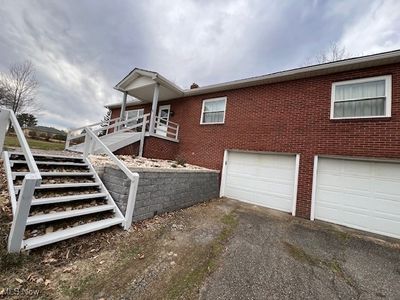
x: 142, y: 162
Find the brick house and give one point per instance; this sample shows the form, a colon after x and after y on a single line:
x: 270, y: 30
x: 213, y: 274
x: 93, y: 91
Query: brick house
x: 320, y: 142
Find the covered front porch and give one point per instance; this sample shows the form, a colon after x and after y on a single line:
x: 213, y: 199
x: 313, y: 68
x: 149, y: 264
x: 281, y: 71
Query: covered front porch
x: 147, y: 88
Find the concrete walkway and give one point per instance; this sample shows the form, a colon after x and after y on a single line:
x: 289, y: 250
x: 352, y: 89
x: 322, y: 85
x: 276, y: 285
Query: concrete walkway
x: 275, y: 256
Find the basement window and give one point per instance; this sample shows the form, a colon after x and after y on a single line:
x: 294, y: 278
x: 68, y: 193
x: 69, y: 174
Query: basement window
x: 362, y: 98
x: 213, y: 111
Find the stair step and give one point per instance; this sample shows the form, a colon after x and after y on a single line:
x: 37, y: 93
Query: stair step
x: 54, y: 163
x: 67, y: 214
x: 61, y: 185
x: 55, y: 174
x: 69, y: 233
x: 61, y: 199
x: 49, y: 155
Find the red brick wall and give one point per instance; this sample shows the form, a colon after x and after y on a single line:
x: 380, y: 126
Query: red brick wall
x: 132, y: 149
x: 291, y: 117
x: 159, y: 148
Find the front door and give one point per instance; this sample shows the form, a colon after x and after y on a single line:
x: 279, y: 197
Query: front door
x: 162, y: 120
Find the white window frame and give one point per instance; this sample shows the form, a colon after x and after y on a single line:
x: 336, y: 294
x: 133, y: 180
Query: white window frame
x: 213, y: 100
x: 138, y: 110
x: 388, y: 95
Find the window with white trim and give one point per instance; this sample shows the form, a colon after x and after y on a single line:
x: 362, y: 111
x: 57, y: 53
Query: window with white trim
x: 362, y: 98
x: 213, y: 111
x: 135, y: 113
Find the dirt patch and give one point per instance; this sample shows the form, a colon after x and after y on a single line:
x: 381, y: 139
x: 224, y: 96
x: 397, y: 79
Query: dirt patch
x: 163, y: 262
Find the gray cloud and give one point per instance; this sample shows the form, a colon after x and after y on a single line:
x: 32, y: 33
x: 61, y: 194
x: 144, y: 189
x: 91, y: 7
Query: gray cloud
x: 82, y: 48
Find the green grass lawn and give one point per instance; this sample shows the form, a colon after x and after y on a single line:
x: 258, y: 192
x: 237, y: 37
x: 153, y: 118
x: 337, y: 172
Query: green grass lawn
x: 12, y: 141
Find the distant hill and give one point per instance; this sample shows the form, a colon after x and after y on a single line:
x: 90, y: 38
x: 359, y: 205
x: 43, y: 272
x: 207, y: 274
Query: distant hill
x: 47, y: 129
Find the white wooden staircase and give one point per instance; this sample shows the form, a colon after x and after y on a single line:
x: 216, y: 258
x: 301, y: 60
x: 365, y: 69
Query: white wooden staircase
x: 54, y: 198
x: 70, y: 201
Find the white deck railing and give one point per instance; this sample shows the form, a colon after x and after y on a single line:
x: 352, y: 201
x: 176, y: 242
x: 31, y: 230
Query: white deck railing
x: 163, y: 129
x: 77, y: 135
x: 113, y: 126
x: 31, y: 180
x: 90, y: 141
x: 166, y: 128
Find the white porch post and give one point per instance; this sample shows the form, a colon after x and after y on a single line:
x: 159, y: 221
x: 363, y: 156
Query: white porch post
x: 154, y: 107
x: 123, y: 107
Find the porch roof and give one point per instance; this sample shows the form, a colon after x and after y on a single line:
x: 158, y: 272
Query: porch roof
x: 140, y: 84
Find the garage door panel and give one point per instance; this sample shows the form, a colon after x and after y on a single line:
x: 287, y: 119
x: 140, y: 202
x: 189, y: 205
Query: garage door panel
x: 260, y: 197
x: 262, y: 179
x: 389, y: 171
x: 268, y: 175
x: 348, y: 182
x: 358, y: 168
x: 352, y: 200
x: 385, y: 205
x: 384, y: 226
x: 262, y: 183
x: 359, y: 194
x: 389, y: 187
x: 257, y: 170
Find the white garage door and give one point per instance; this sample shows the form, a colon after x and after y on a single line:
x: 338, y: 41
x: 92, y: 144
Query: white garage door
x: 262, y: 179
x: 359, y: 194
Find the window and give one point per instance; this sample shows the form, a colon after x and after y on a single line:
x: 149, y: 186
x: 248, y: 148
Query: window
x: 362, y: 98
x: 130, y: 114
x: 213, y: 111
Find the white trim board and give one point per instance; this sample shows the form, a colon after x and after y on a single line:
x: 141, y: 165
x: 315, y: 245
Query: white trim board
x: 223, y: 174
x: 296, y: 184
x: 314, y: 188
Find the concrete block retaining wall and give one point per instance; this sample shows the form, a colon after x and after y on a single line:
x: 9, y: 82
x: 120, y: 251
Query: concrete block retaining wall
x: 161, y: 190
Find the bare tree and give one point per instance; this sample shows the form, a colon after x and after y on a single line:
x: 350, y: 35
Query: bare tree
x: 333, y: 53
x: 19, y: 87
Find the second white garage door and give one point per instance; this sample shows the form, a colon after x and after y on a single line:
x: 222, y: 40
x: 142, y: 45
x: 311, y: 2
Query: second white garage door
x: 359, y: 194
x: 264, y: 179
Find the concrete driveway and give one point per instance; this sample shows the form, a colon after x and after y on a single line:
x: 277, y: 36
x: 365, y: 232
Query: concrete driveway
x: 272, y: 255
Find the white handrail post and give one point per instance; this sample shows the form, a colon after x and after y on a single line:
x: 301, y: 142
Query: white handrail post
x: 4, y: 124
x: 22, y: 212
x: 88, y: 142
x: 143, y: 133
x: 67, y: 141
x: 177, y: 131
x: 131, y: 202
x: 154, y: 107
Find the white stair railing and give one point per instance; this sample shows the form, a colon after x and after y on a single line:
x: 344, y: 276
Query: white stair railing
x: 90, y: 141
x: 30, y: 181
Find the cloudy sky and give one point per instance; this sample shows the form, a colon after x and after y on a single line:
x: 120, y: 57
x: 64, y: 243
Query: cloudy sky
x: 82, y: 48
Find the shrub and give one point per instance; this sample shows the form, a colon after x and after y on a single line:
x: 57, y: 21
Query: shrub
x: 33, y: 134
x: 60, y: 137
x: 180, y: 161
